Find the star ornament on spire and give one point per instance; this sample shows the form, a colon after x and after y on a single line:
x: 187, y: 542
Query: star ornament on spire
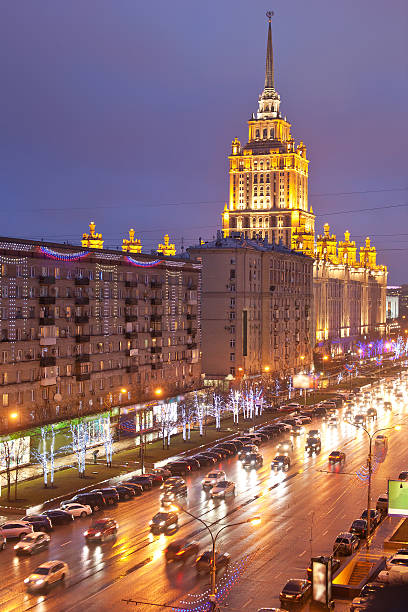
x: 269, y: 15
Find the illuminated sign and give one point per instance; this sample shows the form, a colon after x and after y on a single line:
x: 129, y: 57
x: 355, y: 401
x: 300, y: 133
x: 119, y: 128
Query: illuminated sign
x: 397, y: 498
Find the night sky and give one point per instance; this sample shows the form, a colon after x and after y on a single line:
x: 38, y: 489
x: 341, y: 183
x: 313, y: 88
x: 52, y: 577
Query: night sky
x: 123, y: 112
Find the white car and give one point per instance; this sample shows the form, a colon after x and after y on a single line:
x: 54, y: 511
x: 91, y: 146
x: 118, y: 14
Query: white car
x: 77, y: 510
x: 15, y: 529
x: 213, y: 478
x: 255, y: 439
x: 223, y: 489
x: 400, y: 559
x: 32, y: 543
x: 161, y: 472
x: 46, y: 574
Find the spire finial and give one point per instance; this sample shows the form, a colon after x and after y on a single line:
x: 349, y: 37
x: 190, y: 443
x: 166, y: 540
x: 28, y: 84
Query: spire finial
x: 269, y: 72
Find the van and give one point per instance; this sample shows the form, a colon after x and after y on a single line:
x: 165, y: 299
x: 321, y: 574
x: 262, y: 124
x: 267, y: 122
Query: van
x: 95, y: 500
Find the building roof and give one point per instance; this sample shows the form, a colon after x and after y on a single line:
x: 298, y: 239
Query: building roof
x: 237, y: 241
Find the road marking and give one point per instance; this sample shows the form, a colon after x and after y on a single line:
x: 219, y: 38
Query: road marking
x: 248, y: 602
x: 303, y: 553
x: 325, y: 532
x: 65, y: 543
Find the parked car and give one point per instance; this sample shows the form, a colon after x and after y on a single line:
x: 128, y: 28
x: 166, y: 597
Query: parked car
x: 163, y: 522
x: 110, y: 495
x: 178, y: 468
x: 367, y: 595
x: 95, y: 500
x: 144, y: 481
x: 32, y: 543
x: 204, y: 561
x: 78, y: 510
x: 47, y: 574
x: 136, y: 488
x: 399, y: 558
x: 375, y: 516
x: 223, y: 489
x: 181, y: 550
x: 157, y: 479
x: 213, y: 478
x: 345, y: 544
x: 15, y: 529
x: 403, y: 475
x: 225, y: 452
x: 359, y: 527
x: 125, y: 493
x: 101, y: 529
x: 40, y: 522
x: 295, y: 590
x: 281, y: 462
x: 162, y: 472
x: 382, y: 503
x: 59, y: 517
x: 205, y: 459
x: 337, y: 457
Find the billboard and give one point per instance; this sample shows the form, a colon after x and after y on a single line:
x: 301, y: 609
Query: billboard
x: 302, y: 381
x: 397, y: 498
x: 322, y: 580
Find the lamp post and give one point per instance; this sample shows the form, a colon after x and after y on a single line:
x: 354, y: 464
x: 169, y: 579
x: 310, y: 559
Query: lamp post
x: 370, y: 469
x: 254, y: 521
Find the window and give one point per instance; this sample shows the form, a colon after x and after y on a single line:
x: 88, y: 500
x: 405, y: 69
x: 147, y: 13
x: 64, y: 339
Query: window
x: 232, y: 356
x: 232, y: 371
x: 232, y: 343
x: 5, y: 400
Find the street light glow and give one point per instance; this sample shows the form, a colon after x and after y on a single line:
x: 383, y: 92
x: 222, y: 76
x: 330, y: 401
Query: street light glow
x: 397, y: 427
x: 14, y: 415
x: 255, y: 520
x: 123, y: 390
x: 267, y: 368
x: 158, y: 391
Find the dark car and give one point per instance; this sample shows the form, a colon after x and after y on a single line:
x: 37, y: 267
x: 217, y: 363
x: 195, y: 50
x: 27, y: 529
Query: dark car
x: 101, y: 529
x: 110, y: 495
x: 225, y: 452
x: 193, y: 463
x: 204, y: 561
x: 181, y: 550
x: 262, y: 434
x: 295, y: 590
x: 252, y: 460
x: 371, y: 413
x: 145, y: 482
x: 39, y: 522
x: 205, y: 459
x: 95, y: 500
x: 157, y: 479
x: 337, y: 457
x: 335, y: 566
x: 137, y: 488
x: 178, y: 468
x: 403, y: 475
x: 238, y: 443
x: 247, y: 449
x: 367, y: 594
x: 172, y: 488
x: 59, y: 517
x: 345, y: 543
x: 281, y: 462
x: 359, y: 527
x: 162, y: 522
x: 388, y: 406
x: 313, y: 445
x: 231, y: 445
x: 320, y: 411
x: 125, y: 493
x: 217, y: 455
x: 375, y: 517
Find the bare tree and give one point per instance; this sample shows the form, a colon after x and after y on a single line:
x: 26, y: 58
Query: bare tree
x: 12, y: 455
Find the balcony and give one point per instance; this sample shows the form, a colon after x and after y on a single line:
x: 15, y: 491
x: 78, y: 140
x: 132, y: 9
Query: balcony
x: 156, y: 317
x: 84, y: 358
x: 83, y: 376
x: 129, y: 318
x: 156, y: 333
x: 131, y: 301
x: 80, y: 282
x: 157, y: 366
x: 156, y: 349
x: 48, y: 341
x: 80, y: 338
x: 47, y: 361
x: 82, y: 319
x: 46, y: 280
x: 131, y: 369
x: 156, y: 301
x: 46, y: 382
x: 132, y: 352
x: 131, y: 334
x: 82, y: 300
x: 46, y: 299
x: 132, y: 283
x: 47, y: 321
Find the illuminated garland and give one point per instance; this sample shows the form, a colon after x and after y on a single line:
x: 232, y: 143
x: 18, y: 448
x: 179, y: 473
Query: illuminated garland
x: 144, y: 264
x: 63, y: 256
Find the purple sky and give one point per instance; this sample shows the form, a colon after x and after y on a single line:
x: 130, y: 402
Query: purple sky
x: 124, y: 112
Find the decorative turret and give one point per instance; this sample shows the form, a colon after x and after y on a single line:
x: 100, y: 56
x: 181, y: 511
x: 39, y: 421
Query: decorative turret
x: 236, y: 147
x: 347, y: 250
x: 167, y: 248
x: 132, y: 245
x: 326, y: 245
x: 92, y: 240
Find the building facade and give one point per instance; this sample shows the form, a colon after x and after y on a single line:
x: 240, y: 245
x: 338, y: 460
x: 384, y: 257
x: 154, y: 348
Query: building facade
x: 85, y: 330
x: 256, y: 308
x: 268, y: 186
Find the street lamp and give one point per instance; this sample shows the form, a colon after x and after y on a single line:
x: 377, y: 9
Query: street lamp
x: 254, y: 520
x: 158, y: 392
x: 370, y: 468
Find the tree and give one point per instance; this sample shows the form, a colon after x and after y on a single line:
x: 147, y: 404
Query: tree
x: 80, y: 439
x: 46, y: 456
x: 235, y: 400
x: 106, y: 429
x: 217, y: 409
x: 13, y: 452
x: 199, y: 412
x: 168, y: 421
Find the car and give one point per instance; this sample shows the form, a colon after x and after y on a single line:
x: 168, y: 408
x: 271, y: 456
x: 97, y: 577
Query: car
x: 382, y: 503
x: 403, y: 475
x: 367, y: 595
x: 320, y: 411
x: 313, y: 433
x: 39, y: 522
x: 313, y: 445
x: 59, y: 517
x: 223, y: 489
x: 285, y: 446
x: 375, y: 516
x: 95, y: 500
x: 388, y: 406
x: 217, y: 456
x: 205, y: 459
x: 333, y: 422
x: 284, y: 427
x: 162, y: 522
x: 145, y: 482
x: 400, y: 559
x: 238, y: 443
x: 203, y: 562
x: 181, y: 550
x: 213, y: 478
x: 173, y: 481
x: 281, y: 462
x: 15, y: 529
x: 32, y: 543
x: 157, y: 479
x: 252, y: 460
x: 359, y: 527
x: 193, y: 463
x: 125, y: 493
x: 225, y: 452
x: 78, y: 510
x: 171, y: 489
x: 360, y: 419
x: 334, y: 561
x: 162, y: 472
x: 178, y: 468
x: 255, y: 438
x: 298, y: 430
x: 305, y: 419
x: 137, y: 488
x: 110, y: 495
x: 371, y: 413
x: 380, y: 442
x: 337, y: 457
x: 231, y: 446
x: 295, y: 590
x: 346, y: 543
x: 47, y: 574
x: 248, y: 448
x: 101, y: 529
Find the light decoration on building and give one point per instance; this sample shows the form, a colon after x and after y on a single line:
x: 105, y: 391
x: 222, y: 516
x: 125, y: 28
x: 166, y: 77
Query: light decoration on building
x: 145, y: 264
x: 132, y: 245
x: 63, y: 256
x: 92, y: 240
x: 103, y: 294
x: 166, y: 248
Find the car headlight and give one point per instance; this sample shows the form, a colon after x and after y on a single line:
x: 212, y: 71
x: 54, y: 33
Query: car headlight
x: 97, y: 534
x: 150, y: 522
x: 16, y: 547
x: 26, y: 581
x: 39, y: 581
x: 162, y: 523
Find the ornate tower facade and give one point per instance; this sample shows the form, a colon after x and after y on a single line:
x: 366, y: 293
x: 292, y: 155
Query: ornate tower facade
x: 269, y: 175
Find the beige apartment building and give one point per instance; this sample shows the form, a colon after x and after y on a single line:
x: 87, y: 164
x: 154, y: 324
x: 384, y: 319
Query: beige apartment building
x: 256, y: 303
x: 83, y: 330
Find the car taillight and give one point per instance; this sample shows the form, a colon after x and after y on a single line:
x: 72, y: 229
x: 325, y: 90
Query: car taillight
x: 198, y: 558
x: 180, y: 552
